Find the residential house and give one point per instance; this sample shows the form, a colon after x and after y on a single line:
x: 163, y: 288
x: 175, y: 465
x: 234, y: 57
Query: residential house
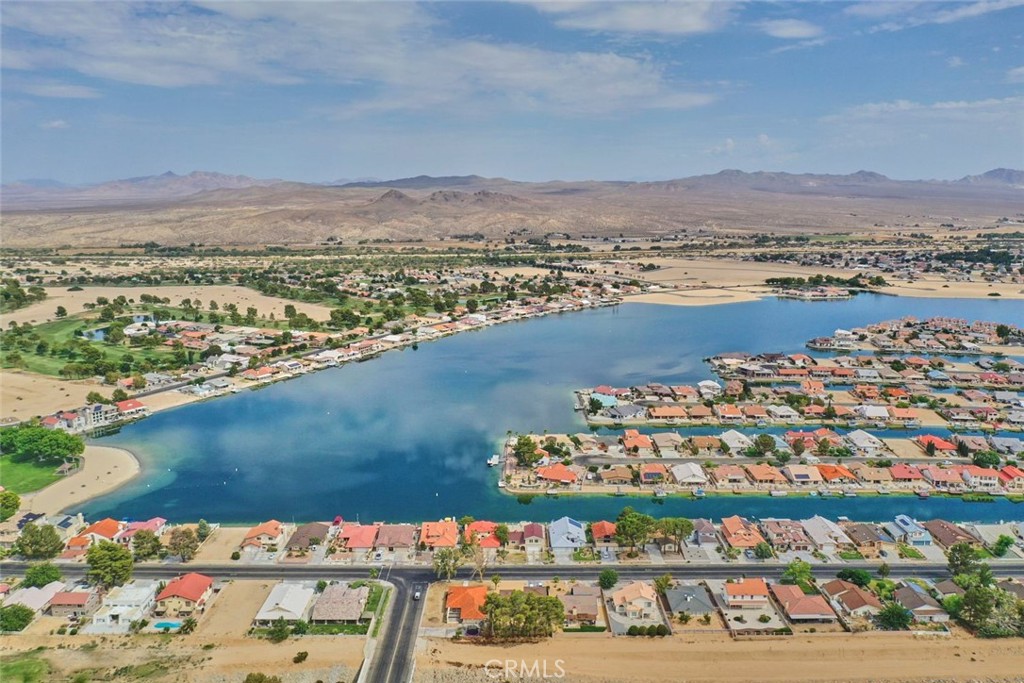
x: 637, y: 444
x: 617, y: 475
x: 122, y: 606
x: 765, y: 476
x: 395, y: 537
x: 863, y: 443
x: 97, y: 532
x: 826, y: 535
x: 871, y: 475
x: 801, y: 608
x: 358, y: 538
x: 184, y: 596
x: 567, y: 534
x: 582, y: 605
x: 980, y: 478
x: 922, y: 606
x: 604, y: 534
x: 802, y: 475
x: 77, y: 604
x: 340, y: 604
x: 705, y: 445
x: 736, y: 441
x: 289, y: 601
x: 126, y: 536
x: 746, y: 593
x: 442, y: 534
x: 269, y: 534
x: 668, y: 443
x: 946, y: 534
x: 740, y: 533
x: 308, y: 536
x: 690, y: 474
x: 836, y: 474
x: 705, y: 535
x: 851, y: 599
x: 692, y: 600
x: 729, y: 476
x: 942, y: 478
x: 867, y: 539
x: 906, y: 475
x: 464, y: 605
x: 1011, y: 478
x: 653, y: 473
x: 36, y: 598
x: 903, y: 529
x: 785, y: 535
x: 636, y: 600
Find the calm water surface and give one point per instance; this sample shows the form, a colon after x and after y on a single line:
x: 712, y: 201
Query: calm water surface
x: 404, y: 437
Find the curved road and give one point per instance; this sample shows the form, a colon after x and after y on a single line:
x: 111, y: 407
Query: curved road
x: 394, y: 654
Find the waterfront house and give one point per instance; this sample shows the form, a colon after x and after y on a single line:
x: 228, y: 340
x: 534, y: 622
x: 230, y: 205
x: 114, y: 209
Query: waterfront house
x: 103, y: 530
x: 1011, y: 478
x: 123, y: 605
x: 863, y: 443
x: 77, y: 604
x: 394, y: 537
x: 616, y: 475
x: 836, y: 474
x: 942, y: 478
x: 727, y: 412
x: 289, y: 601
x: 871, y: 475
x: 867, y: 539
x: 754, y: 412
x: 603, y: 533
x: 340, y: 604
x: 929, y: 441
x: 851, y: 599
x: 765, y: 475
x: 126, y: 536
x: 946, y: 534
x: 626, y: 412
x: 529, y: 535
x: 131, y: 408
x: 785, y: 535
x: 905, y: 474
x: 653, y: 473
x: 903, y: 529
x: 700, y: 413
x: 637, y: 444
x: 736, y: 441
x: 636, y: 600
x: 729, y: 475
x: 746, y: 593
x: 801, y: 608
x: 802, y: 475
x: 558, y: 474
x: 358, y: 538
x: 269, y: 534
x: 464, y: 605
x: 826, y: 535
x: 740, y: 533
x: 690, y: 474
x: 442, y: 534
x: 705, y: 445
x: 668, y: 443
x: 308, y: 536
x: 783, y: 413
x: 705, y: 535
x: 1007, y: 445
x: 922, y: 606
x: 667, y: 413
x: 582, y: 605
x: 184, y: 596
x: 566, y: 533
x: 980, y: 478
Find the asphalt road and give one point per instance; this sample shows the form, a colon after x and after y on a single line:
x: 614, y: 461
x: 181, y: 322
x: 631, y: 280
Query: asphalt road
x: 393, y: 657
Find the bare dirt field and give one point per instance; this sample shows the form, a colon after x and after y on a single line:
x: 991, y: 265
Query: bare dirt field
x: 24, y: 395
x: 599, y: 658
x: 219, y: 546
x: 242, y: 297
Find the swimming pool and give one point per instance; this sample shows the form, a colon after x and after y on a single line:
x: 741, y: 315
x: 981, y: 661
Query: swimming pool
x: 172, y: 625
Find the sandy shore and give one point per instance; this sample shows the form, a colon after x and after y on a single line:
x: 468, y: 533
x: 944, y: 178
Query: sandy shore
x: 104, y: 469
x: 599, y: 658
x: 710, y: 296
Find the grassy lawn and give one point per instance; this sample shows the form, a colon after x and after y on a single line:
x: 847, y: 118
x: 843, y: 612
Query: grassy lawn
x: 851, y: 555
x: 339, y: 629
x: 909, y: 552
x: 584, y: 555
x: 23, y: 477
x: 27, y: 668
x: 883, y: 588
x: 373, y: 600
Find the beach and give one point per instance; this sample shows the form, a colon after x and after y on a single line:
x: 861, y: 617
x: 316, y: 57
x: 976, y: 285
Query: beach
x: 103, y: 470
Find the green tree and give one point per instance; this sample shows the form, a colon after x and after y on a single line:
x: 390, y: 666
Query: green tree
x: 110, y: 565
x: 279, y: 631
x: 594, y: 406
x: 764, y: 444
x: 977, y: 606
x: 676, y: 528
x: 894, y: 617
x: 184, y: 543
x: 203, y: 530
x: 663, y: 583
x: 858, y: 577
x: 38, y: 542
x: 763, y: 551
x: 188, y: 626
x: 633, y: 528
x: 146, y: 545
x: 62, y: 312
x: 9, y: 504
x: 28, y: 443
x: 501, y: 532
x: 1002, y: 544
x: 522, y: 615
x: 986, y: 459
x: 798, y: 572
x: 447, y: 562
x: 41, y: 574
x: 884, y: 570
x: 525, y: 451
x: 961, y: 559
x: 15, y: 617
x: 607, y: 578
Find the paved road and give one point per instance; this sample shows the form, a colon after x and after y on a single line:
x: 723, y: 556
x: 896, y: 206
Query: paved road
x: 393, y: 659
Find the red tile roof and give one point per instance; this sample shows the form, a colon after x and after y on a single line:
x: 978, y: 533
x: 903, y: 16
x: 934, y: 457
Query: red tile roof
x: 191, y: 587
x: 469, y: 600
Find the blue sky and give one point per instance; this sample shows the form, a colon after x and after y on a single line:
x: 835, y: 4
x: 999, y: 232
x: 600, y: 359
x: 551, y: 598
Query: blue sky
x: 316, y: 91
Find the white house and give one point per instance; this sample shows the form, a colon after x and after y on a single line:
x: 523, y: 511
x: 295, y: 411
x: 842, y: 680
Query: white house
x: 289, y: 601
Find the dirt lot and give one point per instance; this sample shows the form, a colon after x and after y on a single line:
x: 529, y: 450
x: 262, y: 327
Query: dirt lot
x: 24, y: 395
x: 599, y: 658
x: 221, y: 543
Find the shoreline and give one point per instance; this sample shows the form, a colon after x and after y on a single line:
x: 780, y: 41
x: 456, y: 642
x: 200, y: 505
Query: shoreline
x: 737, y: 294
x: 104, y: 470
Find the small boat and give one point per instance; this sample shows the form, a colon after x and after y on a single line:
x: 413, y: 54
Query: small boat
x: 501, y: 484
x: 814, y: 493
x: 923, y: 494
x: 776, y: 493
x: 553, y: 493
x: 882, y: 491
x: 659, y: 492
x: 494, y: 460
x: 826, y: 494
x: 699, y: 493
x: 849, y: 494
x: 619, y: 491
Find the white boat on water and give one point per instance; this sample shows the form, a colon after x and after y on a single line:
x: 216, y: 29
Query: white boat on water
x: 494, y: 460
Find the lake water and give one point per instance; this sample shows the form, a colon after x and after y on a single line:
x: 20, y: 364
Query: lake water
x: 405, y: 437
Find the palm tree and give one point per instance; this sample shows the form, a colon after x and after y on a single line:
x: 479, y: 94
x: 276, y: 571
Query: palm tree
x: 188, y: 626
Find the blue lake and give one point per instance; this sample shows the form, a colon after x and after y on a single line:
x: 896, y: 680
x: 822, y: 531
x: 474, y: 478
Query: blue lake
x: 405, y: 437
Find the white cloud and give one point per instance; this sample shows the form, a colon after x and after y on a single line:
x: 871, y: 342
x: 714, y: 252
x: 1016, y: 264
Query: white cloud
x: 954, y: 117
x: 61, y: 90
x: 392, y: 54
x: 794, y: 29
x: 955, y: 62
x: 55, y: 124
x: 727, y: 147
x: 909, y: 15
x: 675, y: 18
x: 1015, y: 75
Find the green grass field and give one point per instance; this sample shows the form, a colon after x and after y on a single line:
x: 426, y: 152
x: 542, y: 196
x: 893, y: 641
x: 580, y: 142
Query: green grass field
x: 26, y: 668
x: 22, y: 477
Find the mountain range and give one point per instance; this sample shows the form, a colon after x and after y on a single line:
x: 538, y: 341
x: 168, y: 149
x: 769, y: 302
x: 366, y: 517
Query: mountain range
x: 215, y: 208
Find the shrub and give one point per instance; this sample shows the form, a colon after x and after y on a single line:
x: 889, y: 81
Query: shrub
x: 632, y: 630
x: 662, y: 630
x: 652, y: 630
x: 236, y: 555
x: 764, y: 618
x: 300, y: 657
